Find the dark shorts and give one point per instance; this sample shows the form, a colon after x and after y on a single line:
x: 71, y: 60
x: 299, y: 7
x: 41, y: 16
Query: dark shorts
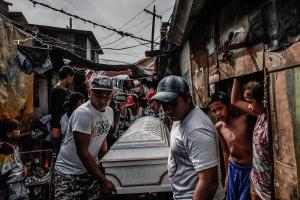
x: 83, y: 186
x: 238, y: 187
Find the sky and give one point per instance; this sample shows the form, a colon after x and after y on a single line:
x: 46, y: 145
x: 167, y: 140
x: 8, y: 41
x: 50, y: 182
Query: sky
x: 113, y: 13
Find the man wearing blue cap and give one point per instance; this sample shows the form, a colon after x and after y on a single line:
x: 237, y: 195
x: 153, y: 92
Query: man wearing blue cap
x: 77, y: 174
x: 193, y: 159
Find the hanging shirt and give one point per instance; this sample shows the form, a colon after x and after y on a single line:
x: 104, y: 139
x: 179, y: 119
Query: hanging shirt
x: 33, y: 59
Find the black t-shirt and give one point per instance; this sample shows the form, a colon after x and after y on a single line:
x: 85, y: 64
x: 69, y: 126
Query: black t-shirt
x: 58, y: 97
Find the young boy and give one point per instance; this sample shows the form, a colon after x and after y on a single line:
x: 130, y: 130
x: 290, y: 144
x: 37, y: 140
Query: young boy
x: 11, y: 166
x: 235, y: 140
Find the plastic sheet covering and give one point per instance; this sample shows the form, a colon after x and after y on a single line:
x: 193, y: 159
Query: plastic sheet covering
x: 16, y: 88
x: 276, y: 23
x: 233, y: 26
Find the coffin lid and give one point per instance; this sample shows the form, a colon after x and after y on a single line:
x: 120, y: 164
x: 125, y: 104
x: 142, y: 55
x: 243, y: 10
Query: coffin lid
x: 146, y: 139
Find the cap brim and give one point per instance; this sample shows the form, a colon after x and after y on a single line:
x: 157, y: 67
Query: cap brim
x: 129, y: 104
x: 165, y: 96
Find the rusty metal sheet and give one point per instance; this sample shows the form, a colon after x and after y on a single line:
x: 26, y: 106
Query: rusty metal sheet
x: 245, y: 62
x: 285, y: 133
x: 285, y: 58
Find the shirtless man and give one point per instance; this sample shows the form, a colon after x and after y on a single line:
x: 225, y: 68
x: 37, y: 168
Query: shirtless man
x: 236, y: 142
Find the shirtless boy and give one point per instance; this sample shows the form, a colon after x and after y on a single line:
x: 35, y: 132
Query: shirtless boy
x: 235, y: 141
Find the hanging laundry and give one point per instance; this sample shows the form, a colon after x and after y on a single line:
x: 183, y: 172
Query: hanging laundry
x: 33, y: 59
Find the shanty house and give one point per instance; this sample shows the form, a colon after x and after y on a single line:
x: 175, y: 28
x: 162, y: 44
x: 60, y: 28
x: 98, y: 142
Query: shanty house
x: 211, y: 42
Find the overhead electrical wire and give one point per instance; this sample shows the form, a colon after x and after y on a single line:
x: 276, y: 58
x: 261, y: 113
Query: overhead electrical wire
x: 138, y: 14
x: 126, y: 47
x: 115, y: 41
x: 121, y: 43
x: 27, y: 28
x: 79, y: 47
x: 144, y: 27
x: 76, y: 46
x: 137, y: 24
x: 162, y: 13
x: 50, y: 43
x: 117, y: 61
x: 112, y: 42
x: 132, y: 55
x: 108, y: 36
x: 166, y: 10
x: 143, y: 44
x: 122, y: 33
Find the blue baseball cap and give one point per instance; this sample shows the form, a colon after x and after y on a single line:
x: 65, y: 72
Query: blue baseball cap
x: 169, y: 88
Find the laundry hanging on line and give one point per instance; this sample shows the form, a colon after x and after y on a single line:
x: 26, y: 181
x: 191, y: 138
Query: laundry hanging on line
x: 33, y: 59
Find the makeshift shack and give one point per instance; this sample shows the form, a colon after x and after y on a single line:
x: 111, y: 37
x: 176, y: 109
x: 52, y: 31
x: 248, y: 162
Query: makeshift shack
x: 219, y: 40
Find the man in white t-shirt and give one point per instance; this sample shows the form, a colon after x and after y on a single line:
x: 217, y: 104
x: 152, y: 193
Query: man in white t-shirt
x: 193, y: 159
x: 77, y: 174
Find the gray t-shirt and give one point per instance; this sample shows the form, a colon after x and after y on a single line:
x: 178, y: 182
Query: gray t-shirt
x: 193, y: 148
x: 85, y: 119
x: 64, y: 122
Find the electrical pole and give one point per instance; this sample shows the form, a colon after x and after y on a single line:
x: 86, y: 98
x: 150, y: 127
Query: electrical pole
x: 70, y: 23
x: 153, y: 23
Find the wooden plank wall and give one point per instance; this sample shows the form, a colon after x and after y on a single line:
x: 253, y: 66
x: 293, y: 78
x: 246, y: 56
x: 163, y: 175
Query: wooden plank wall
x: 283, y: 67
x: 285, y: 58
x: 285, y: 114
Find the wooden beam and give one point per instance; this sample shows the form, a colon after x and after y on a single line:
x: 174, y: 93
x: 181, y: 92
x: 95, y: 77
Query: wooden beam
x: 285, y: 58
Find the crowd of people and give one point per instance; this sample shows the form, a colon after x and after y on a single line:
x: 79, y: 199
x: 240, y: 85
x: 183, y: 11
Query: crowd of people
x: 83, y: 128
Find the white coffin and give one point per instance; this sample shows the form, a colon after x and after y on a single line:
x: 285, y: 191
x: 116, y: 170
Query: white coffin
x: 137, y: 162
